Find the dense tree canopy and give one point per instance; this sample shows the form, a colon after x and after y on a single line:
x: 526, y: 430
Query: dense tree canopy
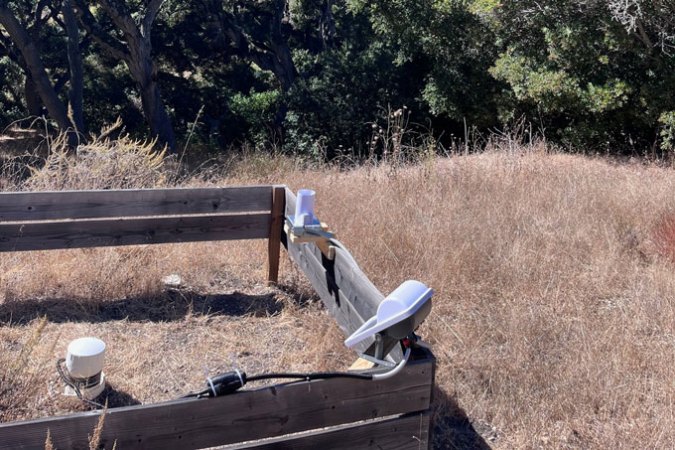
x: 318, y: 76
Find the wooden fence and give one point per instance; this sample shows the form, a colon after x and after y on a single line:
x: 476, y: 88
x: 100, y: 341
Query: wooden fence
x: 334, y: 413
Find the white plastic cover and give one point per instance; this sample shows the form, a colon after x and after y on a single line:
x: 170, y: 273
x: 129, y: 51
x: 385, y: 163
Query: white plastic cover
x: 85, y: 357
x: 401, y: 304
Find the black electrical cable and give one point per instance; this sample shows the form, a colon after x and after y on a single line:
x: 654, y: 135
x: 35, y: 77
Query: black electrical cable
x: 229, y: 382
x: 68, y: 381
x: 196, y: 394
x: 310, y: 376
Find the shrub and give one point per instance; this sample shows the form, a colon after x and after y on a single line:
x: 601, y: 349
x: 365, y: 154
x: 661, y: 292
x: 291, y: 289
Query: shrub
x: 102, y: 163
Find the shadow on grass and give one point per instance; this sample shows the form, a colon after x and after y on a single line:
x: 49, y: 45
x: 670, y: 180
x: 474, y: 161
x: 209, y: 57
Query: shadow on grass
x: 171, y: 306
x: 116, y: 398
x: 451, y: 428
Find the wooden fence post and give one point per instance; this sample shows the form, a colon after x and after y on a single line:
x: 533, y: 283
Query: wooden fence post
x: 276, y: 226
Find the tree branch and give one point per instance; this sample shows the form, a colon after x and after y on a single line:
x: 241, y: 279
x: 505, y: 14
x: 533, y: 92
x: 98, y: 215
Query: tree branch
x: 643, y: 36
x: 121, y: 18
x: 115, y: 49
x: 24, y: 43
x: 150, y: 16
x: 37, y: 14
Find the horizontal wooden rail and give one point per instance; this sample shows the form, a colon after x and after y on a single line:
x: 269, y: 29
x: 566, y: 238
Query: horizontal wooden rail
x: 243, y: 416
x: 79, y: 219
x: 111, y: 232
x: 27, y: 206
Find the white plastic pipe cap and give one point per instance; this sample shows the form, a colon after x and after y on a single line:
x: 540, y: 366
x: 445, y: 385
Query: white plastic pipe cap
x: 304, y: 208
x: 85, y: 357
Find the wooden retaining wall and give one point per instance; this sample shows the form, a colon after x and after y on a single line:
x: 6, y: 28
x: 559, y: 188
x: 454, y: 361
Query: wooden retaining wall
x: 333, y: 413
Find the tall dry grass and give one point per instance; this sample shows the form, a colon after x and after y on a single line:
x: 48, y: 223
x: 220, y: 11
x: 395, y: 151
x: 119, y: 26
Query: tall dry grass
x: 23, y: 359
x: 554, y: 314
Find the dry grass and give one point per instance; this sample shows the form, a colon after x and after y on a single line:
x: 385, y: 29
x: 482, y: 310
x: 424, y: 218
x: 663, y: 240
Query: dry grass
x: 554, y: 314
x: 224, y: 317
x: 554, y: 317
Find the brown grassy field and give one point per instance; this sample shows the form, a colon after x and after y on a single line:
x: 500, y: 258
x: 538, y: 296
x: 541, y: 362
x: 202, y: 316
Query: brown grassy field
x: 553, y: 320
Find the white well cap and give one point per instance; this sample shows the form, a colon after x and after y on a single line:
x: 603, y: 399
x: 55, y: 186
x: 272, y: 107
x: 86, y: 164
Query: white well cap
x: 85, y: 357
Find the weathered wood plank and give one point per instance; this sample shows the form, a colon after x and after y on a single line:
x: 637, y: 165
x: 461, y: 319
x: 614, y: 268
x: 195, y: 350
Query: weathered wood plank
x: 345, y: 290
x: 410, y: 431
x: 346, y: 273
x: 310, y: 260
x: 352, y: 281
x: 24, y: 206
x: 243, y: 416
x: 337, y: 304
x: 276, y: 228
x: 362, y: 294
x: 110, y: 232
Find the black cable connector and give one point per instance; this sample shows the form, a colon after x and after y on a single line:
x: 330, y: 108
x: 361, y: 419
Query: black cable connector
x: 225, y: 383
x: 222, y: 384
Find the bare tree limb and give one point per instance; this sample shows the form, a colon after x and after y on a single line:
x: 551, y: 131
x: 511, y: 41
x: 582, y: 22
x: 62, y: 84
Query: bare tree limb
x: 35, y: 68
x: 150, y: 16
x: 111, y: 46
x: 136, y: 52
x: 121, y: 18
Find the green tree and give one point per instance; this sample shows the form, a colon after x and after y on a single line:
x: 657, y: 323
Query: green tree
x: 590, y: 80
x: 451, y: 43
x: 22, y: 44
x: 131, y: 41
